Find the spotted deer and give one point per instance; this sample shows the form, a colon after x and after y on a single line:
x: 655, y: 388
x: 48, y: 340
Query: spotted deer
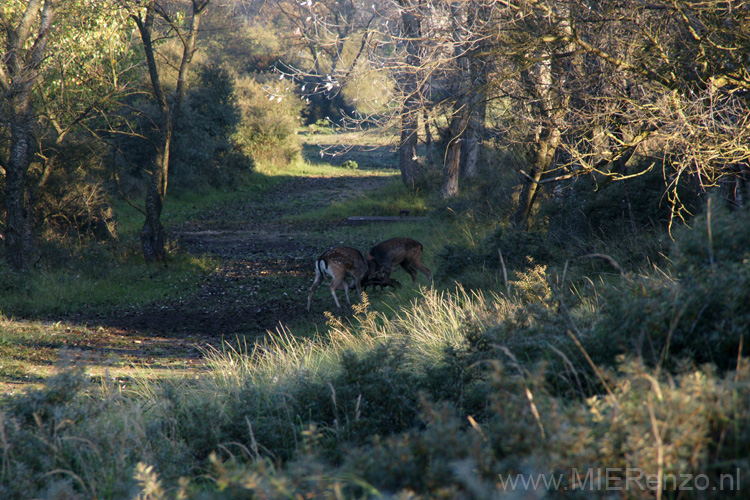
x: 405, y: 252
x: 337, y: 263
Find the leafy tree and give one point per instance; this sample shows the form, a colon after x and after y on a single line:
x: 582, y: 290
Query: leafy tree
x: 60, y: 68
x: 19, y: 74
x: 155, y: 19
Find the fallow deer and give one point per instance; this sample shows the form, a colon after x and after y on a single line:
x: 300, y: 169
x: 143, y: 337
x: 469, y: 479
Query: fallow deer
x: 405, y: 252
x: 337, y: 263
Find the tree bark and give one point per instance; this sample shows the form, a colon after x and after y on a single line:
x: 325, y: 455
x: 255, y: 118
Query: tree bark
x: 19, y: 75
x: 546, y: 146
x: 470, y: 147
x: 18, y: 238
x: 459, y: 121
x: 552, y: 107
x: 153, y: 236
x: 469, y: 110
x: 408, y: 159
x: 464, y: 111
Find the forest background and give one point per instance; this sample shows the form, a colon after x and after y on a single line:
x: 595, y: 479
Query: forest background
x: 582, y: 171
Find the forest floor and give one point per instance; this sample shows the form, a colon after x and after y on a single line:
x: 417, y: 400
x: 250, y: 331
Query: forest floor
x: 263, y: 270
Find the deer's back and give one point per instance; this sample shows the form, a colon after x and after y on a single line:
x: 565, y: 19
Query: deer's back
x: 347, y: 258
x: 397, y: 250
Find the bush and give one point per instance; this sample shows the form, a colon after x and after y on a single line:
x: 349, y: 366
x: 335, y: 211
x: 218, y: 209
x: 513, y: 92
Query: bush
x: 270, y: 117
x: 56, y: 445
x: 72, y: 203
x: 700, y: 314
x: 583, y: 209
x: 203, y: 152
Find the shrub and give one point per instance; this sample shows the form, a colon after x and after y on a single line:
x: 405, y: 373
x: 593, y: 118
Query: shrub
x: 57, y: 443
x: 203, y: 150
x: 270, y: 117
x: 580, y: 209
x: 699, y: 314
x: 72, y: 203
x: 202, y: 153
x: 666, y: 426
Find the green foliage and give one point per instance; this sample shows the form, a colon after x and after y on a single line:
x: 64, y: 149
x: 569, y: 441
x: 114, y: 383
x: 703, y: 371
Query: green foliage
x: 701, y: 313
x: 73, y: 205
x: 582, y: 210
x: 270, y: 117
x: 719, y: 239
x: 49, y: 430
x: 203, y: 151
x: 252, y: 48
x: 688, y: 410
x: 516, y: 250
x: 424, y: 460
x: 323, y: 108
x: 374, y: 394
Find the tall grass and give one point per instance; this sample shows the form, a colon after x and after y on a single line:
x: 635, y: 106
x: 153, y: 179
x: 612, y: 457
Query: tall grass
x: 430, y: 399
x: 424, y: 328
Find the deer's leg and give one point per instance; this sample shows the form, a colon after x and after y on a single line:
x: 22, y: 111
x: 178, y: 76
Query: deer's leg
x: 346, y: 291
x: 316, y: 283
x: 411, y: 270
x: 386, y: 270
x: 424, y: 269
x: 334, y: 284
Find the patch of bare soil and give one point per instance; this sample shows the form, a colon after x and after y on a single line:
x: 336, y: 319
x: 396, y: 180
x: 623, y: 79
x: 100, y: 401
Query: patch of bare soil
x: 264, y: 271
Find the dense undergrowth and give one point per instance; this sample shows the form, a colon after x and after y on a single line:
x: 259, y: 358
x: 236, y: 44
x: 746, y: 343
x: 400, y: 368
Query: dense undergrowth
x: 533, y: 366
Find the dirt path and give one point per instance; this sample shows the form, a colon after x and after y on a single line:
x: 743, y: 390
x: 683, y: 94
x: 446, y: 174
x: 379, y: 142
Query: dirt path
x: 264, y: 264
x: 263, y: 273
x: 262, y: 276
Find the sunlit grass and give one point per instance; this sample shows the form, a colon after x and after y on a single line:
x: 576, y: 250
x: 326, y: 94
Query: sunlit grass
x: 426, y: 325
x: 183, y: 206
x: 31, y: 350
x: 103, y: 287
x: 388, y: 200
x: 302, y: 168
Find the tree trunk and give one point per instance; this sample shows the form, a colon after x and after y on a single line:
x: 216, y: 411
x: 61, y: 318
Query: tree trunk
x: 552, y: 102
x: 453, y: 153
x: 408, y: 160
x: 545, y: 151
x: 478, y: 69
x: 19, y: 75
x: 428, y: 142
x: 19, y: 221
x: 463, y: 110
x: 153, y: 237
x: 470, y: 147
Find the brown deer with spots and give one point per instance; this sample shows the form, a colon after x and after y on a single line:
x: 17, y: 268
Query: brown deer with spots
x: 338, y: 263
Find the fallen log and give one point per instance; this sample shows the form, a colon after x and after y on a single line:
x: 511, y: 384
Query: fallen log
x: 361, y: 219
